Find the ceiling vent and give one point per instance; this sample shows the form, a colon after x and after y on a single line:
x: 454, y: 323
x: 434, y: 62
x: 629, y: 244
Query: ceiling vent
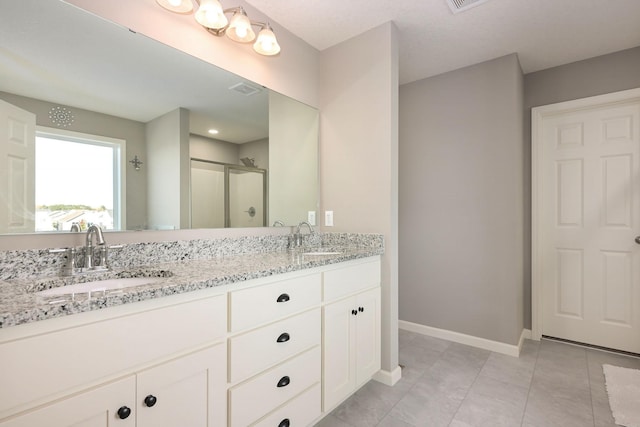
x: 245, y: 89
x: 458, y: 6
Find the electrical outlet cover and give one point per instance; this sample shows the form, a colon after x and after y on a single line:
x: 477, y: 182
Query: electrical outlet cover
x: 328, y: 218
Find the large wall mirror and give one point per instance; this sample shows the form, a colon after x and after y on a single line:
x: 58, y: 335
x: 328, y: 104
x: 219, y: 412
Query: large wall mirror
x: 101, y: 125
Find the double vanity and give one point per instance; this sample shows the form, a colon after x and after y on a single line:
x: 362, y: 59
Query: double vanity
x: 229, y: 332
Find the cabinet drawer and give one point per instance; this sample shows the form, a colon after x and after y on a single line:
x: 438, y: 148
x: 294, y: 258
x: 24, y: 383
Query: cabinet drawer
x: 254, y: 306
x: 255, y: 351
x: 301, y: 411
x: 257, y: 397
x: 58, y: 362
x: 347, y: 280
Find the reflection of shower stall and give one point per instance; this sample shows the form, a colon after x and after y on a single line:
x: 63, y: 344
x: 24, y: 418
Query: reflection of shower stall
x: 225, y: 195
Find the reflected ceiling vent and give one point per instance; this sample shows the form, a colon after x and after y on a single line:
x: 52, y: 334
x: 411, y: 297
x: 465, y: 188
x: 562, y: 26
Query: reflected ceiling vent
x: 245, y: 89
x: 458, y: 6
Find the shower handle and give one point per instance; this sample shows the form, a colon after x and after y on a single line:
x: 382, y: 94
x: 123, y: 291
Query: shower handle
x: 638, y: 240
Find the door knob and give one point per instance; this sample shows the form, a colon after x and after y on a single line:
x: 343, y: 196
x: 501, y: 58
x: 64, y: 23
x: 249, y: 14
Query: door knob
x: 150, y: 400
x: 638, y: 240
x: 124, y: 412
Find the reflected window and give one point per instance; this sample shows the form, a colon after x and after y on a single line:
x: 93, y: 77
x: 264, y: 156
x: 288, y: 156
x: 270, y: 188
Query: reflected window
x: 78, y: 181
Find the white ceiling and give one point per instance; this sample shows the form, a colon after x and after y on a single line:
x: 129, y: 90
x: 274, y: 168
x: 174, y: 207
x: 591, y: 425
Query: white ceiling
x: 544, y: 33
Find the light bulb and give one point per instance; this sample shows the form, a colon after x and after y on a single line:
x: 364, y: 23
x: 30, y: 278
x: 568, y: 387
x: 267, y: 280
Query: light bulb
x: 210, y: 14
x: 266, y: 44
x: 175, y: 3
x: 240, y: 28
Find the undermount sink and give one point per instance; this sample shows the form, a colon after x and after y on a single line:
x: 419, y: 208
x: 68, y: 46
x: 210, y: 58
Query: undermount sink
x: 99, y: 286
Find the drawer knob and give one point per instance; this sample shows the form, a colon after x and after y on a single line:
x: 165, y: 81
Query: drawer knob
x: 360, y: 309
x: 150, y: 400
x: 284, y: 337
x: 284, y: 381
x: 124, y: 412
x: 284, y: 423
x: 354, y: 312
x: 283, y: 298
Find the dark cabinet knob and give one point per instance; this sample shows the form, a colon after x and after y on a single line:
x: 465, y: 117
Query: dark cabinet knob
x: 360, y: 309
x: 124, y: 412
x: 284, y: 381
x: 285, y: 423
x: 354, y: 312
x: 284, y: 337
x: 283, y: 298
x: 150, y: 400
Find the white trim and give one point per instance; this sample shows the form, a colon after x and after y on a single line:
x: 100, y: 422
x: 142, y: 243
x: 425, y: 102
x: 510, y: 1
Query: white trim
x: 388, y: 378
x: 538, y: 114
x: 495, y: 346
x: 525, y: 335
x: 119, y: 147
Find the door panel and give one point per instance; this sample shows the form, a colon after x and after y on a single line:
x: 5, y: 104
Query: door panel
x: 589, y: 206
x: 368, y: 335
x: 94, y: 408
x: 188, y: 391
x: 17, y: 171
x: 338, y: 351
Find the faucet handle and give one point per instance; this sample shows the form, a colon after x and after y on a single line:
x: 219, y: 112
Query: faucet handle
x: 70, y: 260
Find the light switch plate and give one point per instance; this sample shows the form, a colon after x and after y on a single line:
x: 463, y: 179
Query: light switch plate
x: 328, y: 218
x: 311, y: 217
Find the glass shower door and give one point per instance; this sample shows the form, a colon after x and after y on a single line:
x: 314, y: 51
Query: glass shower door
x: 246, y: 200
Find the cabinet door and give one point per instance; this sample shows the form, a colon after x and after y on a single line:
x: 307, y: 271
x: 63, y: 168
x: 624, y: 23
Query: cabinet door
x: 367, y: 335
x: 338, y: 351
x: 95, y: 408
x: 189, y: 391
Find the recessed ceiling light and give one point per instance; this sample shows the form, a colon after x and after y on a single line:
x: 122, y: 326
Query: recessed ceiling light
x: 213, y: 131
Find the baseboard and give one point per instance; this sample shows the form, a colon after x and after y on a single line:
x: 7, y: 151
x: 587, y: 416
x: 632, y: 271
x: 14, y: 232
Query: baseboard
x: 496, y: 346
x: 388, y: 378
x: 526, y: 335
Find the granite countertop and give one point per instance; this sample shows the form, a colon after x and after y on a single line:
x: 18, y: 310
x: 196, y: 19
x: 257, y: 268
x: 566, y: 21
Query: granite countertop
x: 20, y: 303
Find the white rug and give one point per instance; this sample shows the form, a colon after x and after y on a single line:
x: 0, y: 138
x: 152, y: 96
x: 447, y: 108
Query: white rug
x: 623, y: 388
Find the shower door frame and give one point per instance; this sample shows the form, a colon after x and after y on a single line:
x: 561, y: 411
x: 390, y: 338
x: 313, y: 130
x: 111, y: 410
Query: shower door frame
x: 227, y: 208
x: 265, y: 195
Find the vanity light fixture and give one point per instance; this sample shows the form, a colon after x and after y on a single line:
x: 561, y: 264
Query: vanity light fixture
x: 136, y: 162
x: 212, y: 16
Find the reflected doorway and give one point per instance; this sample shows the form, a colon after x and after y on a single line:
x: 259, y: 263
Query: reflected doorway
x: 225, y: 195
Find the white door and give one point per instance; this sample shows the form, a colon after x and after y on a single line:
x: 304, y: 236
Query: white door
x: 17, y: 171
x: 586, y: 218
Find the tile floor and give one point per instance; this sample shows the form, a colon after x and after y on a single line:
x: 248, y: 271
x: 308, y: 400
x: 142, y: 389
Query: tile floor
x: 449, y: 384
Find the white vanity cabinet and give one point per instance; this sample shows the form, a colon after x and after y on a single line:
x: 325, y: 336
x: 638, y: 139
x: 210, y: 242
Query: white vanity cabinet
x: 275, y: 351
x: 351, y: 330
x: 160, y: 366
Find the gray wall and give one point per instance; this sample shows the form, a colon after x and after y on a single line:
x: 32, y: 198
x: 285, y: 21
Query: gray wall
x: 596, y: 76
x: 168, y: 170
x: 358, y: 153
x: 461, y: 245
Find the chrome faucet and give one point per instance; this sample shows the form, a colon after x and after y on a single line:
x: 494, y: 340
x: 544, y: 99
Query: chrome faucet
x: 297, y: 237
x: 96, y: 231
x: 75, y: 227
